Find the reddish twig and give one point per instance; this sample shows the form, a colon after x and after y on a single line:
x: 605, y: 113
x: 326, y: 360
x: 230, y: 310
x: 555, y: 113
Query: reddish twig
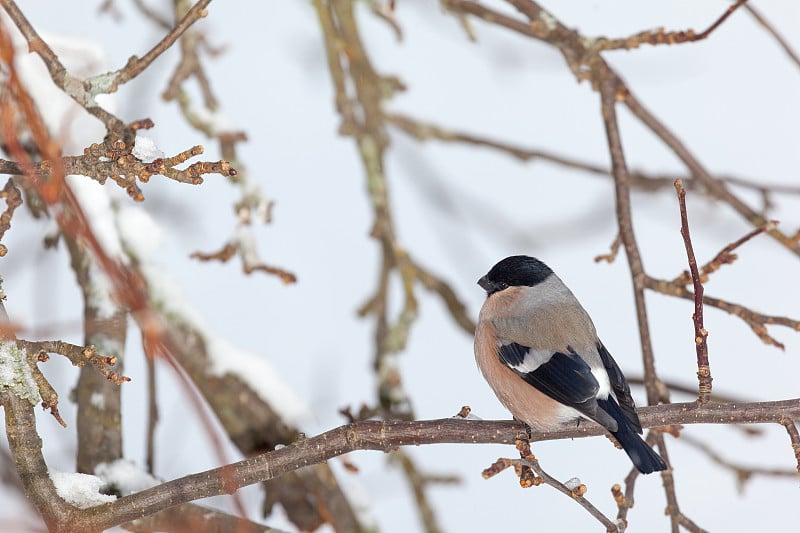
x: 720, y: 20
x: 660, y: 36
x: 700, y: 332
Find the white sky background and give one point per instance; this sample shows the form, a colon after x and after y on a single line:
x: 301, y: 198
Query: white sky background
x: 732, y: 99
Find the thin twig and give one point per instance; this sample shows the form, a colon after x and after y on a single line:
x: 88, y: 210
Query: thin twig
x: 700, y: 333
x: 576, y: 493
x: 724, y: 257
x: 243, y: 244
x: 720, y: 20
x: 626, y: 500
x: 772, y: 31
x: 136, y: 65
x: 612, y: 254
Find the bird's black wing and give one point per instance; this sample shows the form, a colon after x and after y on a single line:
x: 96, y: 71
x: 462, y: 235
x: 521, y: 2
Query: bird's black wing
x: 620, y: 387
x: 563, y: 376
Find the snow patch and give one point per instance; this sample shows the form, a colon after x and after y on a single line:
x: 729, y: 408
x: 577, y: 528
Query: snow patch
x: 145, y: 149
x: 125, y: 476
x: 80, y: 490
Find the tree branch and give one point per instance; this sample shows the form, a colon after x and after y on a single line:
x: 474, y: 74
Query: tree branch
x: 387, y: 435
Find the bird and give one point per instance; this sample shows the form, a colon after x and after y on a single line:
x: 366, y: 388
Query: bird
x: 539, y: 351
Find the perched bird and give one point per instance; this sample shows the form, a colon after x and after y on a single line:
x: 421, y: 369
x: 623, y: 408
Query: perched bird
x: 538, y: 349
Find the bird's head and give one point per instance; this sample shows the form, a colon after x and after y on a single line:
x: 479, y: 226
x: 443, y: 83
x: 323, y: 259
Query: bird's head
x: 514, y: 271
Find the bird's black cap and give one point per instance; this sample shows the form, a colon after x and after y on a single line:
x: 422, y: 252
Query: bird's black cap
x: 514, y: 271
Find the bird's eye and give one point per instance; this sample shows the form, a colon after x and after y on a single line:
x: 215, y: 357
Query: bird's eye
x: 502, y: 286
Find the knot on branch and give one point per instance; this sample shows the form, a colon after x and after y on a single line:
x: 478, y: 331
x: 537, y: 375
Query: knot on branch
x: 704, y: 383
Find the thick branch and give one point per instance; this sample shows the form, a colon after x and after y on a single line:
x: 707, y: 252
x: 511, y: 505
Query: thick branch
x: 387, y: 435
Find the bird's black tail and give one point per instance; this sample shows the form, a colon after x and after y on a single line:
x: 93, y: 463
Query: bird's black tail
x: 643, y: 456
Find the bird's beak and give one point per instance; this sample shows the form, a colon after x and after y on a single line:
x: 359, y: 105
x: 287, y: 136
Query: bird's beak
x: 485, y: 284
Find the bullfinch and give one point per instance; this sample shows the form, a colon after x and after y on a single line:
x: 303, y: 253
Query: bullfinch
x: 538, y: 349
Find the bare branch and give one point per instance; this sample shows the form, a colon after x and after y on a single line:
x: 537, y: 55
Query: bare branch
x: 386, y: 435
